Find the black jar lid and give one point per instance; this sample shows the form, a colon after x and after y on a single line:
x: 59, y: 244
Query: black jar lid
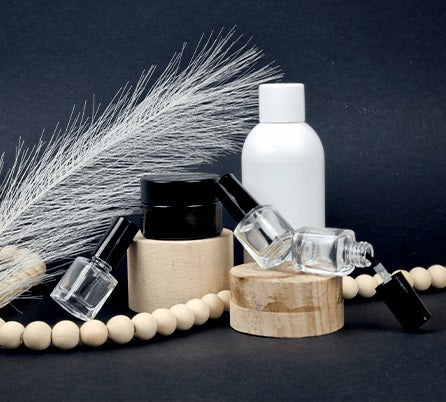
x: 180, y: 206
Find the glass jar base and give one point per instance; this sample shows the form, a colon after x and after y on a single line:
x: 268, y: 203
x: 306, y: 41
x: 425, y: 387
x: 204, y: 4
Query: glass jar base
x: 74, y: 305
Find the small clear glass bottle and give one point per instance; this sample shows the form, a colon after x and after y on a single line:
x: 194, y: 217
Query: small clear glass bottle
x: 87, y: 284
x: 262, y: 231
x: 85, y: 287
x: 329, y: 251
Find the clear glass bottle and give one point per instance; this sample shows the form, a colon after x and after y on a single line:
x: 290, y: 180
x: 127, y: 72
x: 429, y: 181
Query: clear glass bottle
x: 87, y: 284
x: 262, y: 231
x: 329, y: 251
x: 265, y: 235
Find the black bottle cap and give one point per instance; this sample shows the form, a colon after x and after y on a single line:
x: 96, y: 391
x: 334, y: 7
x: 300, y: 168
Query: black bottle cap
x: 237, y: 201
x: 116, y: 241
x: 180, y: 206
x: 404, y: 302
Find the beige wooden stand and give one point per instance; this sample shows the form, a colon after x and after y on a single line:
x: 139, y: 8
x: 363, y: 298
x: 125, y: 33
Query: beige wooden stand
x: 162, y: 273
x: 283, y: 304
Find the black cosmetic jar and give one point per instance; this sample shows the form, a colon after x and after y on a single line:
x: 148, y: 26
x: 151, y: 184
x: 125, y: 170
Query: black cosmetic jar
x: 180, y: 206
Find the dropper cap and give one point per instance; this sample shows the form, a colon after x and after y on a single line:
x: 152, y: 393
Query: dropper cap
x: 402, y: 300
x: 116, y: 241
x: 237, y: 201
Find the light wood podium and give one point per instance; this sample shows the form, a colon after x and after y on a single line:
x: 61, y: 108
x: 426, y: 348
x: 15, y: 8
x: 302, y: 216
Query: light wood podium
x: 284, y: 304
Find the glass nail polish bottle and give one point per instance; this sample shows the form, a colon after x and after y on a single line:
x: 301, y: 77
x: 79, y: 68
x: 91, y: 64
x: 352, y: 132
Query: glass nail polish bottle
x: 262, y: 231
x: 87, y: 284
x: 329, y: 251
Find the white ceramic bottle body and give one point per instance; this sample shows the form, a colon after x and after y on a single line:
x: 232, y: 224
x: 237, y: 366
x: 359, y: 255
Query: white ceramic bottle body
x: 283, y: 165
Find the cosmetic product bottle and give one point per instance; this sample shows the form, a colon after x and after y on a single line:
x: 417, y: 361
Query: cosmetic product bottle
x: 87, y: 284
x: 401, y: 298
x: 328, y: 251
x: 261, y: 229
x: 283, y: 157
x: 183, y: 251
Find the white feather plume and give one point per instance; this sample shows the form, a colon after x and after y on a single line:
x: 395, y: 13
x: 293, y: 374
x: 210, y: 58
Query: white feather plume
x: 60, y: 195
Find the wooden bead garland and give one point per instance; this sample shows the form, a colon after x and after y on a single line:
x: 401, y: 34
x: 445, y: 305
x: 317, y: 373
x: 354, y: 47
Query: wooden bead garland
x: 121, y: 329
x: 419, y: 278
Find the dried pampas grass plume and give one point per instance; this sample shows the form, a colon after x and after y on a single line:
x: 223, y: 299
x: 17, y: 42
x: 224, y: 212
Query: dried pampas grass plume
x: 59, y: 196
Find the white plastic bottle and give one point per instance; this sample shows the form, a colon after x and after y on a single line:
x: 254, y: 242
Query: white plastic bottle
x: 283, y: 158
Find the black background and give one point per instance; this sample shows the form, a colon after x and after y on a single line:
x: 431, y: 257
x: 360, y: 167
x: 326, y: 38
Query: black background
x: 375, y: 90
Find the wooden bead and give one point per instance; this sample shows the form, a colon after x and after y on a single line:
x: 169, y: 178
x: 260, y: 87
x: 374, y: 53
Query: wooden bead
x: 378, y: 279
x: 166, y: 320
x: 349, y: 287
x: 184, y: 315
x: 438, y: 276
x: 201, y: 310
x: 421, y: 278
x: 37, y: 335
x: 216, y: 305
x: 406, y: 274
x: 225, y: 296
x: 120, y: 329
x: 11, y: 333
x: 93, y: 333
x: 366, y: 285
x: 65, y: 335
x: 145, y: 326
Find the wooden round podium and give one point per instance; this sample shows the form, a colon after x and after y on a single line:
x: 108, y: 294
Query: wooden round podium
x: 281, y: 303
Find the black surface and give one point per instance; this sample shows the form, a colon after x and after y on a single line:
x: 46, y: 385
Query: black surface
x: 374, y: 75
x: 371, y: 358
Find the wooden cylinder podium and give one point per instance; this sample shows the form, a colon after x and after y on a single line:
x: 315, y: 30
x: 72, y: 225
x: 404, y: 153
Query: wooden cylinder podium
x: 284, y: 304
x: 162, y: 273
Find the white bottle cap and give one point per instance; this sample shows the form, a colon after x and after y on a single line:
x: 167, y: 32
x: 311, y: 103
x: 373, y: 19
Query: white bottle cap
x: 281, y: 103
